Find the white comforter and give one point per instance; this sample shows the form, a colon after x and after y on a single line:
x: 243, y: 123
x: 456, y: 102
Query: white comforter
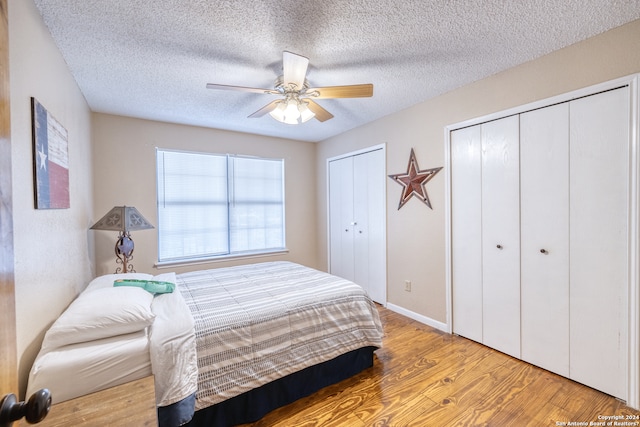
x: 173, y: 348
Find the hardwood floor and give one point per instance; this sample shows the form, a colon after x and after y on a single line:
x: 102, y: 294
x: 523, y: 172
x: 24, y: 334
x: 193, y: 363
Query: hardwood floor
x: 424, y: 377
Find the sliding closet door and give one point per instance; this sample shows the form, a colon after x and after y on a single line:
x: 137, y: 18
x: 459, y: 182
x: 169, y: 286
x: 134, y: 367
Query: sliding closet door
x: 341, y: 239
x: 466, y: 232
x: 599, y: 200
x: 501, y: 235
x: 544, y: 198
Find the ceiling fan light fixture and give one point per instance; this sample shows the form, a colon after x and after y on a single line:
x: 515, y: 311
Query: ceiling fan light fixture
x: 278, y: 112
x: 291, y: 112
x: 305, y: 113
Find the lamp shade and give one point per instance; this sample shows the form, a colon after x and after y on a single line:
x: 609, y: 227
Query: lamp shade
x: 122, y: 218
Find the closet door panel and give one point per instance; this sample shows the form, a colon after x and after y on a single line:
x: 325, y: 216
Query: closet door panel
x: 340, y: 218
x: 360, y: 227
x: 599, y: 181
x: 544, y: 192
x: 377, y: 238
x: 368, y: 230
x: 501, y: 235
x: 466, y: 232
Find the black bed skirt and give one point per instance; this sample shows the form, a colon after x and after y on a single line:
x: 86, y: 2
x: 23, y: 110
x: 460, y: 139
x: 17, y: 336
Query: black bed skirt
x: 254, y: 404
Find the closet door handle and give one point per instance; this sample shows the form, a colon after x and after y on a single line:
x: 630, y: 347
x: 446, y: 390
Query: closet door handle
x: 544, y: 251
x: 499, y: 247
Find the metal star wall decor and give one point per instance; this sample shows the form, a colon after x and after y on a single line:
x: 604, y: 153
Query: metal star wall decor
x: 414, y: 181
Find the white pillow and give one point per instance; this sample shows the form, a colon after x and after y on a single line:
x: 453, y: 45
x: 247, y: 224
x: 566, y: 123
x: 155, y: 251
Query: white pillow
x: 106, y: 281
x: 101, y: 313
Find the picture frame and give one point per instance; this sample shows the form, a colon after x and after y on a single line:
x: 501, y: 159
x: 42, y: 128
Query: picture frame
x: 50, y: 159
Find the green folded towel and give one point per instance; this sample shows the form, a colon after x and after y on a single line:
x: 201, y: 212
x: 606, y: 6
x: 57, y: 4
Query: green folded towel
x: 152, y: 286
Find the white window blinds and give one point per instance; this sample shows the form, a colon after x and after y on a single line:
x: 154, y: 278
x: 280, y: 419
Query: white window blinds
x: 212, y: 205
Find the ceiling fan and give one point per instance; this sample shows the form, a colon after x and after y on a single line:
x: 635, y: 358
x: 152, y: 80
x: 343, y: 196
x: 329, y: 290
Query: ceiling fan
x: 297, y: 104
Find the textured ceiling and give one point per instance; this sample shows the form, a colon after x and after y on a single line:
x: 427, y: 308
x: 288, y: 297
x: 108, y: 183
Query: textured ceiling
x: 152, y: 58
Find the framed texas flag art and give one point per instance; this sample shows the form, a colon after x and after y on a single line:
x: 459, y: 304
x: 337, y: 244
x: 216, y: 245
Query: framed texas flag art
x: 50, y: 160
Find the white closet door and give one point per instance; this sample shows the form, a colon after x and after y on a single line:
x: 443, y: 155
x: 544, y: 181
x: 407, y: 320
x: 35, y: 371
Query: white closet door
x: 501, y: 235
x: 544, y: 192
x: 466, y: 232
x: 599, y: 182
x: 341, y: 242
x: 368, y: 231
x: 357, y: 228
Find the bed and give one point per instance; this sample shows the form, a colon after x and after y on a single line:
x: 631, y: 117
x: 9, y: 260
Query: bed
x: 230, y: 344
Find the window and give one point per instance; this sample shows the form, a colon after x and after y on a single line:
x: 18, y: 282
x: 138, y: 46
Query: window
x: 212, y: 205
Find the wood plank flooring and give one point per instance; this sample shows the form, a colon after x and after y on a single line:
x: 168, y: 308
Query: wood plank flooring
x: 424, y: 377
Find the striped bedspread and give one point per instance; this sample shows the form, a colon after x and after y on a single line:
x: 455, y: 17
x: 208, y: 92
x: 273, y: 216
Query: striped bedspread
x: 260, y: 322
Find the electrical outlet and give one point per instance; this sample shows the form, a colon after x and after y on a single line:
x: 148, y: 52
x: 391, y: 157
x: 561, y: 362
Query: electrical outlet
x: 407, y: 285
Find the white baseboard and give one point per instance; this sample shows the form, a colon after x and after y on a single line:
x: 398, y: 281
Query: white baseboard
x: 418, y: 317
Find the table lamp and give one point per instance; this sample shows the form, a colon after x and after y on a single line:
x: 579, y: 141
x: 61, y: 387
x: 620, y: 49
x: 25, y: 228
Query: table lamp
x: 123, y: 219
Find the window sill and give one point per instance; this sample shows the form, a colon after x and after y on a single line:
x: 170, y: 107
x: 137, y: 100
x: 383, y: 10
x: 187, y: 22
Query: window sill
x: 212, y: 260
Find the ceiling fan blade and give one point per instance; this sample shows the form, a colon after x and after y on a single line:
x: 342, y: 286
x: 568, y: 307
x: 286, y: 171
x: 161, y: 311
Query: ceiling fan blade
x: 322, y: 115
x: 351, y: 91
x: 242, y: 89
x: 294, y: 69
x: 266, y: 109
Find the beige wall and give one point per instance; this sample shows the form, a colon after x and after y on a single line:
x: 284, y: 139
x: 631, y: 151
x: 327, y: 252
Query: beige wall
x: 416, y: 234
x: 53, y: 249
x: 125, y: 174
